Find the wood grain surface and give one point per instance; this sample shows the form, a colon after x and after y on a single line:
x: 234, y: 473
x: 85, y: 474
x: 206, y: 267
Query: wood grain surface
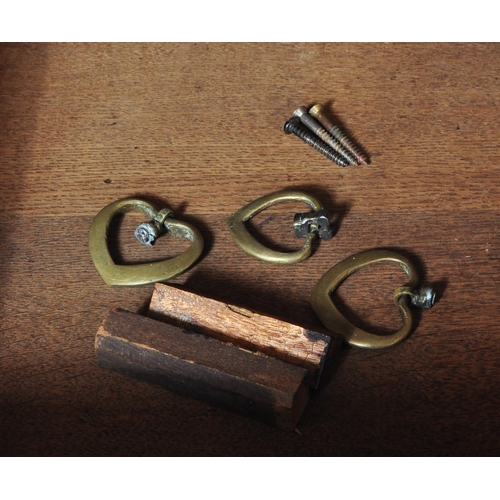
x: 198, y: 128
x: 244, y: 328
x: 201, y: 367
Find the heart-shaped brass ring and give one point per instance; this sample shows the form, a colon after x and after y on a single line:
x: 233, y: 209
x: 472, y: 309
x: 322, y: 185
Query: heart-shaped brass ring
x: 331, y: 317
x: 142, y: 274
x: 307, y: 225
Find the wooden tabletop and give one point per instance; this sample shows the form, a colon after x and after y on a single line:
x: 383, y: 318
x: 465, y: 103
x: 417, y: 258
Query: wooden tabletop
x: 198, y: 128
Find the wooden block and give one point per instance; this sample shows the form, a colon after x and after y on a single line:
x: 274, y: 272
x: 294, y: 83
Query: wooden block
x: 241, y: 327
x: 194, y: 365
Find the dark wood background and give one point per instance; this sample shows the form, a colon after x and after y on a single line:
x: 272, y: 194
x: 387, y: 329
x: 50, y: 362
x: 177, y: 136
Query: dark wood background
x: 198, y: 128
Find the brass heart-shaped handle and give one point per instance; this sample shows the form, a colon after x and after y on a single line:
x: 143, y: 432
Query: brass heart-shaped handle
x: 140, y: 274
x: 306, y: 225
x: 332, y: 318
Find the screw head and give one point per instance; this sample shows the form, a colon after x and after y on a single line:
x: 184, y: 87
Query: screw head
x: 316, y: 110
x: 301, y: 110
x: 290, y: 124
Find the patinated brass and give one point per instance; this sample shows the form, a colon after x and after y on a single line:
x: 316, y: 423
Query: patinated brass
x: 331, y: 317
x: 249, y: 244
x: 140, y: 274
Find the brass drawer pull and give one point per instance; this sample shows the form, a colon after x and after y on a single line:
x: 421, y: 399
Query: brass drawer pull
x: 331, y: 317
x: 306, y: 225
x: 142, y: 274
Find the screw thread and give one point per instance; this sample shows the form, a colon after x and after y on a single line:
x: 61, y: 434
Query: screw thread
x: 338, y: 146
x: 317, y: 112
x: 342, y: 138
x: 293, y: 126
x: 315, y: 127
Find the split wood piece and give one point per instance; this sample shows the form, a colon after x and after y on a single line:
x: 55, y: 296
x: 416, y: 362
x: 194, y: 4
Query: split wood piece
x: 200, y: 367
x: 243, y: 328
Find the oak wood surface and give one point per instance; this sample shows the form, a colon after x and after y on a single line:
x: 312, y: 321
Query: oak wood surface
x: 198, y: 128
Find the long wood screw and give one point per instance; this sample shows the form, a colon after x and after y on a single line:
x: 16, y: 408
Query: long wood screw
x: 293, y: 126
x: 314, y: 126
x: 317, y: 111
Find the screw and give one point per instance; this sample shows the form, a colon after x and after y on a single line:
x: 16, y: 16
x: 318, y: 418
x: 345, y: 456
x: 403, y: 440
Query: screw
x: 317, y: 111
x: 293, y: 126
x: 148, y: 232
x: 315, y: 127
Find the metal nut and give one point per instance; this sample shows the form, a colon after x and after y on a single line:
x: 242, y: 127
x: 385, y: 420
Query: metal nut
x: 147, y: 233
